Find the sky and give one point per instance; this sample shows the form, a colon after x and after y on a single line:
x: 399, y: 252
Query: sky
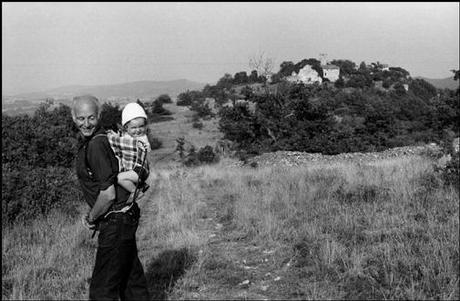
x: 48, y: 45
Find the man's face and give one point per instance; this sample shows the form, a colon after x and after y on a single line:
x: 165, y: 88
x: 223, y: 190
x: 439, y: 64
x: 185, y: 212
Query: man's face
x: 86, y: 118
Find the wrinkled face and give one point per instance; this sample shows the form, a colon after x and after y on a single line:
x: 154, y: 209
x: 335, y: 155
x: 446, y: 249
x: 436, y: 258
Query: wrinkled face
x: 136, y: 127
x: 86, y: 118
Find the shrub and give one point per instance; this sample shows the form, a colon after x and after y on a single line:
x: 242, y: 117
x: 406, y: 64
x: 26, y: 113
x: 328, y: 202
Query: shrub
x: 192, y: 158
x: 158, y: 109
x: 163, y: 98
x: 46, y: 139
x: 155, y: 118
x: 197, y: 125
x: 111, y: 115
x: 188, y: 97
x: 31, y: 192
x: 451, y: 173
x: 202, y: 109
x: 181, y: 147
x: 206, y: 155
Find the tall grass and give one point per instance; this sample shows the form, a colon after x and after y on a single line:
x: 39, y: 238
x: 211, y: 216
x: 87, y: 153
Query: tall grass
x: 52, y: 257
x: 49, y: 258
x: 384, y: 230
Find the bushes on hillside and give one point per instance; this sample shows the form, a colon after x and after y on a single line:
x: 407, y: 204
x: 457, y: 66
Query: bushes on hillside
x: 34, y: 191
x: 155, y: 111
x: 37, y: 163
x: 48, y: 138
x: 164, y: 98
x: 205, y: 155
x: 111, y: 116
x: 321, y: 119
x: 188, y: 97
x: 38, y: 153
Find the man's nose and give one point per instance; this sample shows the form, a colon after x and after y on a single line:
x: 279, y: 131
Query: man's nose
x: 86, y: 123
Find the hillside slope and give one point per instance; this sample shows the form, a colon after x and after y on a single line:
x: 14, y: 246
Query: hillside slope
x: 169, y: 131
x: 136, y: 89
x: 442, y: 83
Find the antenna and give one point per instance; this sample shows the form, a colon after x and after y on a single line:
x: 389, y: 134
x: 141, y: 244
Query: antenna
x: 323, y: 58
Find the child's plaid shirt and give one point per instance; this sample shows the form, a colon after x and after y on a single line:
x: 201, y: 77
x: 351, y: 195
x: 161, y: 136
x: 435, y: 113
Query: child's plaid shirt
x: 129, y: 151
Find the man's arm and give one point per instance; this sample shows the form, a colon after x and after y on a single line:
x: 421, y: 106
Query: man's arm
x: 104, y: 200
x: 104, y: 165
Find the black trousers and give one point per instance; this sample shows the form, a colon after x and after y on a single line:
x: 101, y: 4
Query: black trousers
x: 118, y: 272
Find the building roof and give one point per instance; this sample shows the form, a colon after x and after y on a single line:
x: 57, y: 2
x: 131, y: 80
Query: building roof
x: 330, y: 66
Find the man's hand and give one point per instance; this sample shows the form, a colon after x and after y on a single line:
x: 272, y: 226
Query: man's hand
x: 86, y: 223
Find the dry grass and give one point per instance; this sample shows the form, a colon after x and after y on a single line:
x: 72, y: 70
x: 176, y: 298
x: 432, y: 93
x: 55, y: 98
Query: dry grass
x: 181, y: 126
x: 384, y: 230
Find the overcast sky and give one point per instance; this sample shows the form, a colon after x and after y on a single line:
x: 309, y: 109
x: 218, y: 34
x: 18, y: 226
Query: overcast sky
x: 48, y: 45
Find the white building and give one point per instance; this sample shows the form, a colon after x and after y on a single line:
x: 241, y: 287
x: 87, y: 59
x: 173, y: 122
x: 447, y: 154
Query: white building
x: 306, y: 75
x: 331, y: 72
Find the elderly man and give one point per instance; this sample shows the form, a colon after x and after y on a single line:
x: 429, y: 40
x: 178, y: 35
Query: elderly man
x: 118, y: 272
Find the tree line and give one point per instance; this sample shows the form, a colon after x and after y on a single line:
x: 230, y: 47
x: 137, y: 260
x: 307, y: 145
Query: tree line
x: 369, y: 108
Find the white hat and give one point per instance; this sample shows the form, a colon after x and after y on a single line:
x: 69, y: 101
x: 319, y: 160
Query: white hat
x: 132, y: 110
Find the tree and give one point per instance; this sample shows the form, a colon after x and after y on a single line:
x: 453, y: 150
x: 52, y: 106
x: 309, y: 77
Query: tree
x: 423, y: 89
x: 164, y: 98
x: 240, y: 78
x: 262, y: 64
x: 339, y: 83
x: 398, y: 72
x: 347, y: 67
x: 225, y: 82
x: 314, y: 63
x: 456, y: 74
x: 157, y: 108
x: 111, y: 115
x: 376, y: 67
x: 362, y: 67
x: 457, y: 77
x: 188, y: 97
x: 286, y: 68
x: 247, y: 92
x: 181, y: 147
x: 254, y: 77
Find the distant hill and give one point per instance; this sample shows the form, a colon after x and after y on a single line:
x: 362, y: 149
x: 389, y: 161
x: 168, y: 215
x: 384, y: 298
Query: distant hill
x: 139, y: 89
x: 442, y: 83
x: 117, y: 93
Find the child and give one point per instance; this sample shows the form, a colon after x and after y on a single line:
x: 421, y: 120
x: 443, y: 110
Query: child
x: 131, y: 147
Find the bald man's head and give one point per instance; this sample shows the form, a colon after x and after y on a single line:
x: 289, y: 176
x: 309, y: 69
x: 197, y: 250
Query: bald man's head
x: 85, y: 100
x: 86, y: 112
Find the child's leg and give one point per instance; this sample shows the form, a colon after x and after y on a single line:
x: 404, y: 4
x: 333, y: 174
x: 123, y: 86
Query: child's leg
x: 128, y: 180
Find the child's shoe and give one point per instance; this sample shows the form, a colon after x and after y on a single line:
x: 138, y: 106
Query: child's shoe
x: 145, y: 187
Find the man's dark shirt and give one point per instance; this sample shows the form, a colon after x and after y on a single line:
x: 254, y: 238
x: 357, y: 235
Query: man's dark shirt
x: 103, y: 165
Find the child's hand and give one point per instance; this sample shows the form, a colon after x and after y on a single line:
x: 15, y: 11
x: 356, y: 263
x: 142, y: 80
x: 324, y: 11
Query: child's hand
x: 111, y: 132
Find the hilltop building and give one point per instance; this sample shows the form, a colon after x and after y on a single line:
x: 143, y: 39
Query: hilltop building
x: 331, y: 72
x: 306, y: 75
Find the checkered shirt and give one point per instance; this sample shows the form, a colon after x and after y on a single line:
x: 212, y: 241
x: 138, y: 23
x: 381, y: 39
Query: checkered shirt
x: 129, y: 151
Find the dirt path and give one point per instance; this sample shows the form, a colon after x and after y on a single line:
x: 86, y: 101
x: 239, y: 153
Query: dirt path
x: 233, y: 266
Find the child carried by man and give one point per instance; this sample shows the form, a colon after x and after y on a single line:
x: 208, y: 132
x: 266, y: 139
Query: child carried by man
x: 131, y: 147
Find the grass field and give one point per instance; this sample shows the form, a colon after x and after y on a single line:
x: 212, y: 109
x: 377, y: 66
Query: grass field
x: 384, y: 230
x: 168, y: 132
